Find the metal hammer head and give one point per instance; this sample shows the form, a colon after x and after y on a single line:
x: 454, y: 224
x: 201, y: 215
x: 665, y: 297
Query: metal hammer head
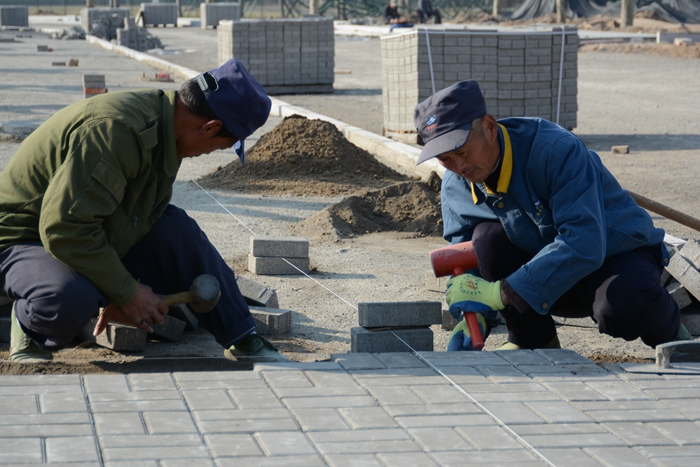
x: 205, y: 291
x: 453, y: 259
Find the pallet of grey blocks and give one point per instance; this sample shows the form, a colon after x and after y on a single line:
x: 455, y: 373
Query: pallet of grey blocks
x: 159, y: 14
x: 14, y: 15
x: 103, y: 22
x: 518, y: 72
x: 292, y: 55
x: 395, y: 326
x: 684, y: 271
x: 211, y: 13
x: 278, y: 256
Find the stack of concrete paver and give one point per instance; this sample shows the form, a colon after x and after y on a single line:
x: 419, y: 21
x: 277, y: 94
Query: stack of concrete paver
x: 518, y: 73
x: 211, y: 13
x: 136, y: 37
x: 285, y: 55
x: 264, y: 307
x: 94, y: 85
x: 278, y: 256
x: 390, y: 326
x: 14, y: 15
x: 103, y: 22
x: 683, y: 279
x: 158, y: 14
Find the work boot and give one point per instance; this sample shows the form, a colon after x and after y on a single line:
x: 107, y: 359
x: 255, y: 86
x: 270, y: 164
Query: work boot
x: 255, y: 347
x: 22, y: 348
x: 553, y: 344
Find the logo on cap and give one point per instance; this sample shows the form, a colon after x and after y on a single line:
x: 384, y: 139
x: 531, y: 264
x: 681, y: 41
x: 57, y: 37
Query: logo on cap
x: 431, y: 123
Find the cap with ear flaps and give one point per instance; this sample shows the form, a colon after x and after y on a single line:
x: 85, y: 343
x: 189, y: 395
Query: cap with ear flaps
x: 237, y: 99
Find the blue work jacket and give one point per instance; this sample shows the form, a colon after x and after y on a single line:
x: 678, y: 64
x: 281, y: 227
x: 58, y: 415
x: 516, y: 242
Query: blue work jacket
x: 556, y: 201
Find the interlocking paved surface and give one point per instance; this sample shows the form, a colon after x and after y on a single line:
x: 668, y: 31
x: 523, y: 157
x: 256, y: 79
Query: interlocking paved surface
x: 359, y: 410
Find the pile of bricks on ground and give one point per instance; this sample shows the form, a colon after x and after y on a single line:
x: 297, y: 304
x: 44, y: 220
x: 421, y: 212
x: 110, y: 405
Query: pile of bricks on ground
x: 294, y: 55
x: 518, y: 72
x: 103, y: 22
x: 14, y: 15
x: 211, y: 13
x: 682, y: 280
x: 136, y: 37
x: 394, y: 326
x: 278, y: 256
x: 158, y: 14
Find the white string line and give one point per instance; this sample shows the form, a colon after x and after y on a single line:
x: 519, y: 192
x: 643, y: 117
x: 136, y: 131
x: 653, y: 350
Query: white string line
x: 430, y: 59
x: 519, y: 438
x: 251, y: 231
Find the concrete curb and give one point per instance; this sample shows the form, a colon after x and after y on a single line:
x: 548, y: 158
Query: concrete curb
x: 399, y: 156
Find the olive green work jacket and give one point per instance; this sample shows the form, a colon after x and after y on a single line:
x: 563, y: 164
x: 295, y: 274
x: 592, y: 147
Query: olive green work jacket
x: 91, y: 182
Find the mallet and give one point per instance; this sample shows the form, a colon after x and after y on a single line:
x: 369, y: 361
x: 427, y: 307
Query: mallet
x: 203, y: 294
x: 454, y: 260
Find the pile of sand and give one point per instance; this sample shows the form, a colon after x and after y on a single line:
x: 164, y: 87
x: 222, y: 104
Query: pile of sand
x: 313, y: 158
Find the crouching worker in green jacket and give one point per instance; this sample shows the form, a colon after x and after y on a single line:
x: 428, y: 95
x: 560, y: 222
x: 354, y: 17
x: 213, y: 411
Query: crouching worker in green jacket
x: 86, y: 228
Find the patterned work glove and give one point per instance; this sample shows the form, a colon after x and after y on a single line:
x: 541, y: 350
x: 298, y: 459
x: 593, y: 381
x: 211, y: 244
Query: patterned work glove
x: 460, y: 338
x: 468, y: 293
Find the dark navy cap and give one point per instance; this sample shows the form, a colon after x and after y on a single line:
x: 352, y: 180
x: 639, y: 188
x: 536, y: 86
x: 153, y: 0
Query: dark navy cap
x: 238, y: 100
x: 444, y: 119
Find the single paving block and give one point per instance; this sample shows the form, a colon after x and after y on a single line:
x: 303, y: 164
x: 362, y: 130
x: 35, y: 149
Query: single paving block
x: 691, y: 252
x: 277, y: 266
x: 5, y: 327
x: 684, y: 272
x: 365, y: 340
x: 435, y: 284
x: 256, y: 294
x: 679, y: 294
x: 285, y: 247
x: 171, y: 329
x: 691, y: 321
x: 448, y: 321
x: 382, y: 314
x: 183, y: 313
x: 117, y: 336
x: 271, y: 320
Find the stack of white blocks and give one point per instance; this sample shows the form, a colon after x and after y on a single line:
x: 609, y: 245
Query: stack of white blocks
x: 14, y: 15
x: 211, y: 13
x: 159, y: 14
x: 132, y: 36
x: 278, y: 256
x: 284, y: 55
x: 114, y: 17
x: 518, y: 73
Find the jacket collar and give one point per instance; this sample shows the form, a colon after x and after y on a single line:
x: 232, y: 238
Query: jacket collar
x: 506, y: 169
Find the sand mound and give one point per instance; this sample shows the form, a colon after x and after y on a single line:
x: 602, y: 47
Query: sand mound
x: 404, y: 207
x: 303, y: 157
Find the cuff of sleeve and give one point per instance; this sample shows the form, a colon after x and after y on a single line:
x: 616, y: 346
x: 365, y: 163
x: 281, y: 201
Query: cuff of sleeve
x: 515, y: 300
x: 125, y: 295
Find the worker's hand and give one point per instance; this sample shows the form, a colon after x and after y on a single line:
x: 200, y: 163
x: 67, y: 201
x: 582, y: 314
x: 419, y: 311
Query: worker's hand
x: 460, y: 337
x: 146, y: 309
x: 471, y: 293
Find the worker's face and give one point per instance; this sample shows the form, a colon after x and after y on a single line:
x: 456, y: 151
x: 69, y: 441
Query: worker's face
x: 477, y: 158
x: 203, y: 141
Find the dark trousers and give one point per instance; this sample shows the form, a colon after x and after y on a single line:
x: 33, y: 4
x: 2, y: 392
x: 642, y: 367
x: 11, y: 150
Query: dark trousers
x: 53, y: 302
x: 623, y: 296
x: 424, y: 15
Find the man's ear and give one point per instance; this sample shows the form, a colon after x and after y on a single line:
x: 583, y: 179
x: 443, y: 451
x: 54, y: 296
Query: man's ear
x: 211, y: 128
x: 489, y: 126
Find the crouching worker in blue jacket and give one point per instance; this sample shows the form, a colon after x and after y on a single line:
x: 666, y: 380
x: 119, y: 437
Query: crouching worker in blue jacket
x: 553, y: 231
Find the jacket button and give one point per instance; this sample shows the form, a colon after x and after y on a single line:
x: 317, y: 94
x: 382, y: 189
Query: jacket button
x: 666, y: 260
x: 545, y: 306
x: 500, y: 205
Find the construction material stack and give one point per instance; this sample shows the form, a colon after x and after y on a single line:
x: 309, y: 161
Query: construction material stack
x: 94, y: 85
x: 395, y: 326
x: 286, y: 56
x: 278, y: 256
x: 14, y: 15
x: 518, y: 72
x: 211, y: 13
x: 103, y: 22
x: 158, y: 14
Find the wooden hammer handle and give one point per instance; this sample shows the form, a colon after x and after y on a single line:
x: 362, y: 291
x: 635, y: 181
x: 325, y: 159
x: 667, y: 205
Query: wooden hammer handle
x: 177, y: 298
x: 666, y: 211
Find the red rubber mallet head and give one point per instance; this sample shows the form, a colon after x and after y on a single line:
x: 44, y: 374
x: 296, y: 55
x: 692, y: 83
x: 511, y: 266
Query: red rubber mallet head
x: 453, y: 259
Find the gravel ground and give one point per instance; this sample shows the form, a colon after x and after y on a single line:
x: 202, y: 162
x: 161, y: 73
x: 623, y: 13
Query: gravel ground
x: 651, y: 103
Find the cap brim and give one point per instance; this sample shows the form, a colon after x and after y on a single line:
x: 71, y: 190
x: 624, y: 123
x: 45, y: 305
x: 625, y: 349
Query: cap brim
x: 239, y: 147
x: 450, y: 141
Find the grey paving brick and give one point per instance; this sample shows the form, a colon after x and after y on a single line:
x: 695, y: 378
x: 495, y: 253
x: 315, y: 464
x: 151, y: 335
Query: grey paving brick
x: 558, y: 412
x: 440, y: 439
x: 353, y: 390
x: 134, y: 396
x: 504, y: 374
x: 665, y: 383
x: 183, y: 313
x: 319, y: 419
x: 249, y: 414
x: 217, y: 384
x: 271, y: 321
x: 573, y: 440
x: 29, y: 450
x: 564, y: 357
x: 208, y: 399
x: 357, y: 361
x: 223, y: 376
x: 405, y: 459
x: 399, y: 360
x: 432, y: 409
x: 186, y: 462
x: 639, y: 434
x: 521, y: 458
x: 45, y: 419
x: 541, y: 372
x: 152, y: 382
x: 683, y: 433
x: 165, y: 405
x: 618, y: 390
x: 689, y: 408
x: 232, y: 445
x: 150, y: 452
x: 681, y: 452
x: 436, y: 394
x: 37, y: 431
x: 29, y: 390
x: 106, y: 383
x: 169, y: 422
x: 523, y: 357
x: 28, y: 381
x: 18, y: 405
x: 330, y: 401
x: 574, y: 391
x: 256, y: 293
x: 488, y: 437
x: 281, y: 443
x: 282, y: 461
x: 364, y: 340
x: 635, y: 415
x: 678, y: 393
x: 331, y: 437
x: 513, y: 412
x: 381, y: 314
x: 569, y: 458
x: 57, y: 403
x: 73, y: 449
x: 292, y: 366
x: 376, y: 445
x: 444, y: 420
x: 254, y: 398
x: 287, y: 247
x: 129, y: 423
x: 287, y: 379
x: 144, y: 441
x: 559, y: 429
x: 476, y: 359
x: 389, y: 395
x: 619, y: 457
x: 246, y: 426
x: 360, y: 418
x: 118, y: 337
x: 619, y: 405
x: 329, y: 379
x: 352, y: 460
x: 264, y: 266
x: 171, y: 329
